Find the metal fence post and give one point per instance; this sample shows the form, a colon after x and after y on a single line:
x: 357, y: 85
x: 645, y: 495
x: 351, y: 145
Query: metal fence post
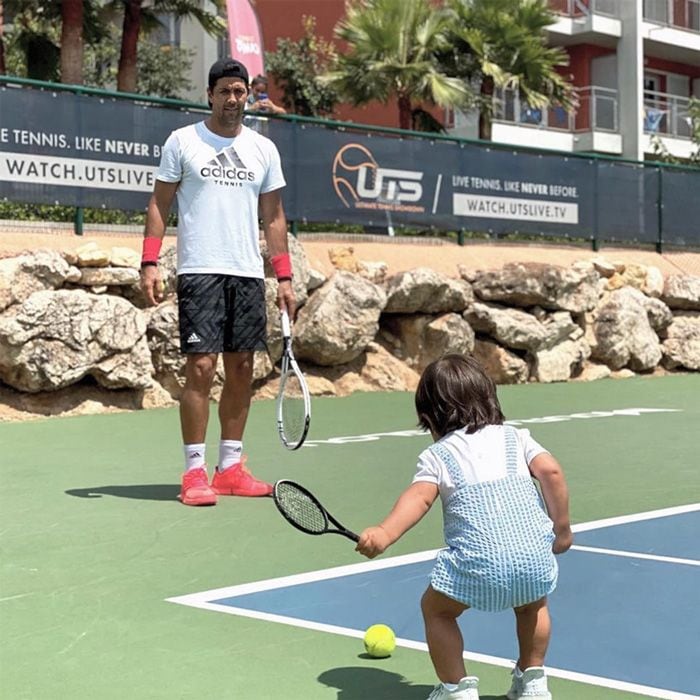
x: 78, y: 221
x: 660, y: 212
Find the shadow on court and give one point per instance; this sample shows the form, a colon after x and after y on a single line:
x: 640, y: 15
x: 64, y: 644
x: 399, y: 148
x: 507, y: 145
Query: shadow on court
x: 144, y: 492
x: 357, y: 683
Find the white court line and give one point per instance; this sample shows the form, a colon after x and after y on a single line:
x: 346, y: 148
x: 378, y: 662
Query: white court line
x: 636, y: 517
x: 201, y: 600
x: 637, y: 555
x: 617, y: 412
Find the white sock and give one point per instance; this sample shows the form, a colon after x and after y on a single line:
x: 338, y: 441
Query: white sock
x: 194, y: 457
x: 230, y: 452
x: 451, y: 686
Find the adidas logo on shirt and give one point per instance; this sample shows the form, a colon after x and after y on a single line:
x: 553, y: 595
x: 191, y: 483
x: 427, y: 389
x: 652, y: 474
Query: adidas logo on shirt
x: 228, y: 168
x: 194, y: 338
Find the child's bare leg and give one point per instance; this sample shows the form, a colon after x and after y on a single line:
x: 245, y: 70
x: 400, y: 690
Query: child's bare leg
x: 443, y: 635
x: 533, y: 627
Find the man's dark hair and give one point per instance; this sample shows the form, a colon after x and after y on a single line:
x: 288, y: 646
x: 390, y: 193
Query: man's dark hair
x: 227, y: 68
x: 455, y: 392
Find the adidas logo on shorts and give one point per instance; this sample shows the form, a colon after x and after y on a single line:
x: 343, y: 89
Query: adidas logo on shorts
x: 194, y: 338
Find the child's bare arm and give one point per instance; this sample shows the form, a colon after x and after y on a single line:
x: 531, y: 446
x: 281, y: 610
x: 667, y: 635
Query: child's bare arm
x: 412, y: 505
x: 555, y: 492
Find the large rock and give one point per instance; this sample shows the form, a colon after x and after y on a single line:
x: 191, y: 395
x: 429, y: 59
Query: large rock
x: 423, y: 290
x: 572, y: 289
x: 339, y: 321
x: 518, y: 329
x: 624, y: 334
x: 108, y: 276
x: 681, y: 347
x: 55, y: 338
x: 682, y: 292
x: 418, y: 339
x: 375, y: 369
x: 20, y: 277
x: 503, y: 366
x: 560, y: 362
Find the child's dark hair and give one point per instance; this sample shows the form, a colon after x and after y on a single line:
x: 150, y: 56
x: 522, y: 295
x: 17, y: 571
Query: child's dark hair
x: 455, y: 392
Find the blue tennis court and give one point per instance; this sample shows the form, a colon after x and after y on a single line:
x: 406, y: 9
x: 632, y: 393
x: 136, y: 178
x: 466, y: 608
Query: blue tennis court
x: 629, y: 592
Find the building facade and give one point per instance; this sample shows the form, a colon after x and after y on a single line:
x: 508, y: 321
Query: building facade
x: 635, y: 66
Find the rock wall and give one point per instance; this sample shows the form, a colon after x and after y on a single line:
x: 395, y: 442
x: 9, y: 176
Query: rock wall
x: 74, y: 320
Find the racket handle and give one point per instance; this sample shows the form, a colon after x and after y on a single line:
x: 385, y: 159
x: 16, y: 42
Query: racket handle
x: 284, y: 321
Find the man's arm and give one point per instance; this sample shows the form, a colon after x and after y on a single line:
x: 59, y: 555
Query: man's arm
x: 555, y: 492
x: 275, y: 230
x: 156, y: 223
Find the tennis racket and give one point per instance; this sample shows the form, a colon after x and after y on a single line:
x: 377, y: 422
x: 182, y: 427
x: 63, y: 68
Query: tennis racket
x: 303, y: 510
x: 293, y: 399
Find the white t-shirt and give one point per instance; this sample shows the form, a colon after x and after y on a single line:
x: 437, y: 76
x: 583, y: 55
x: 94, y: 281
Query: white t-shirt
x: 481, y: 455
x: 220, y: 182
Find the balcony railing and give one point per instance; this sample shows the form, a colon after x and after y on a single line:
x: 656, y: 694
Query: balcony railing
x: 667, y: 114
x: 682, y: 14
x: 597, y: 111
x: 583, y: 8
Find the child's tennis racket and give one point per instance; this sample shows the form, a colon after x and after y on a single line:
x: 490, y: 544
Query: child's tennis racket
x: 293, y: 400
x: 303, y: 510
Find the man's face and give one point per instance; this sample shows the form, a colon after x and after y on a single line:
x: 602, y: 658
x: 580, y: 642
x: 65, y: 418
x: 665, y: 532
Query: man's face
x: 228, y: 99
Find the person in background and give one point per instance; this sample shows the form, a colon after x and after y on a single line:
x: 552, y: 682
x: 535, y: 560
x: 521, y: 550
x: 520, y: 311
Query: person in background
x: 223, y: 174
x: 500, y: 538
x: 259, y: 100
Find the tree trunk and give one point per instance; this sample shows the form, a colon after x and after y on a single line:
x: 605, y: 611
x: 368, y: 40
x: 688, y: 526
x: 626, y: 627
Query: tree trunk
x: 72, y: 42
x: 126, y: 75
x: 404, y: 112
x: 2, y: 42
x: 486, y: 108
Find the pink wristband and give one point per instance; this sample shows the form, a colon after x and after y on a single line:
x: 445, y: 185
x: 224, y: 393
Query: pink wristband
x: 282, y: 265
x: 151, y: 250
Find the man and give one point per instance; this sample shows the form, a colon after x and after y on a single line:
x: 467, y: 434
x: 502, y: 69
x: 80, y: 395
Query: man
x: 223, y: 175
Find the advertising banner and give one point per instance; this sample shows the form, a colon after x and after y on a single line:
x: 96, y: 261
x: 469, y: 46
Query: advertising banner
x: 60, y: 148
x: 90, y: 151
x: 245, y: 36
x: 416, y: 181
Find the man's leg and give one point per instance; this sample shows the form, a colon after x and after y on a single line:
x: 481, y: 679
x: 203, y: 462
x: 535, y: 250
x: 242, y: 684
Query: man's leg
x: 194, y: 415
x: 194, y: 400
x: 236, y: 394
x: 232, y: 478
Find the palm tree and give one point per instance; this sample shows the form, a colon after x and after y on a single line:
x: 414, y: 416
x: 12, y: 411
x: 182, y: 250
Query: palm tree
x: 393, y: 50
x: 502, y: 44
x: 138, y: 16
x: 72, y: 42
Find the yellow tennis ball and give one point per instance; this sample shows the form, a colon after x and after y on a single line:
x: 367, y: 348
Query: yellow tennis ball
x: 380, y: 641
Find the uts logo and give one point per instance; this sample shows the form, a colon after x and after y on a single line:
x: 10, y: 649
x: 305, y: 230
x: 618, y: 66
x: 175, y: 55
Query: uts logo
x: 357, y: 178
x: 226, y: 168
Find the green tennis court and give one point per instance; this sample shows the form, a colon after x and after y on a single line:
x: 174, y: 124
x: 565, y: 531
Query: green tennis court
x: 94, y: 542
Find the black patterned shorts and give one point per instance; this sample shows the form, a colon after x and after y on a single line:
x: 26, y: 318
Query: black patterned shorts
x: 221, y: 313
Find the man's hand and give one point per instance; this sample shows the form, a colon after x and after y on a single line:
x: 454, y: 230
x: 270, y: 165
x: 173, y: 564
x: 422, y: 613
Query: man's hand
x: 152, y: 284
x: 286, y: 299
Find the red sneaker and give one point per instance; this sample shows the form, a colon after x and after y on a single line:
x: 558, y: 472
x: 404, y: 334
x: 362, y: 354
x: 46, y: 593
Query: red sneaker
x: 238, y: 481
x: 195, y: 490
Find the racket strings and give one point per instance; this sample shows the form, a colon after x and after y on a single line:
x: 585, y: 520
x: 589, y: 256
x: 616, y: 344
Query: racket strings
x: 301, y: 509
x: 293, y: 409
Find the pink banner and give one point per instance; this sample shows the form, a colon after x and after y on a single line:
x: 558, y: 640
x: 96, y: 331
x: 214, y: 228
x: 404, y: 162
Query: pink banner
x: 245, y: 36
